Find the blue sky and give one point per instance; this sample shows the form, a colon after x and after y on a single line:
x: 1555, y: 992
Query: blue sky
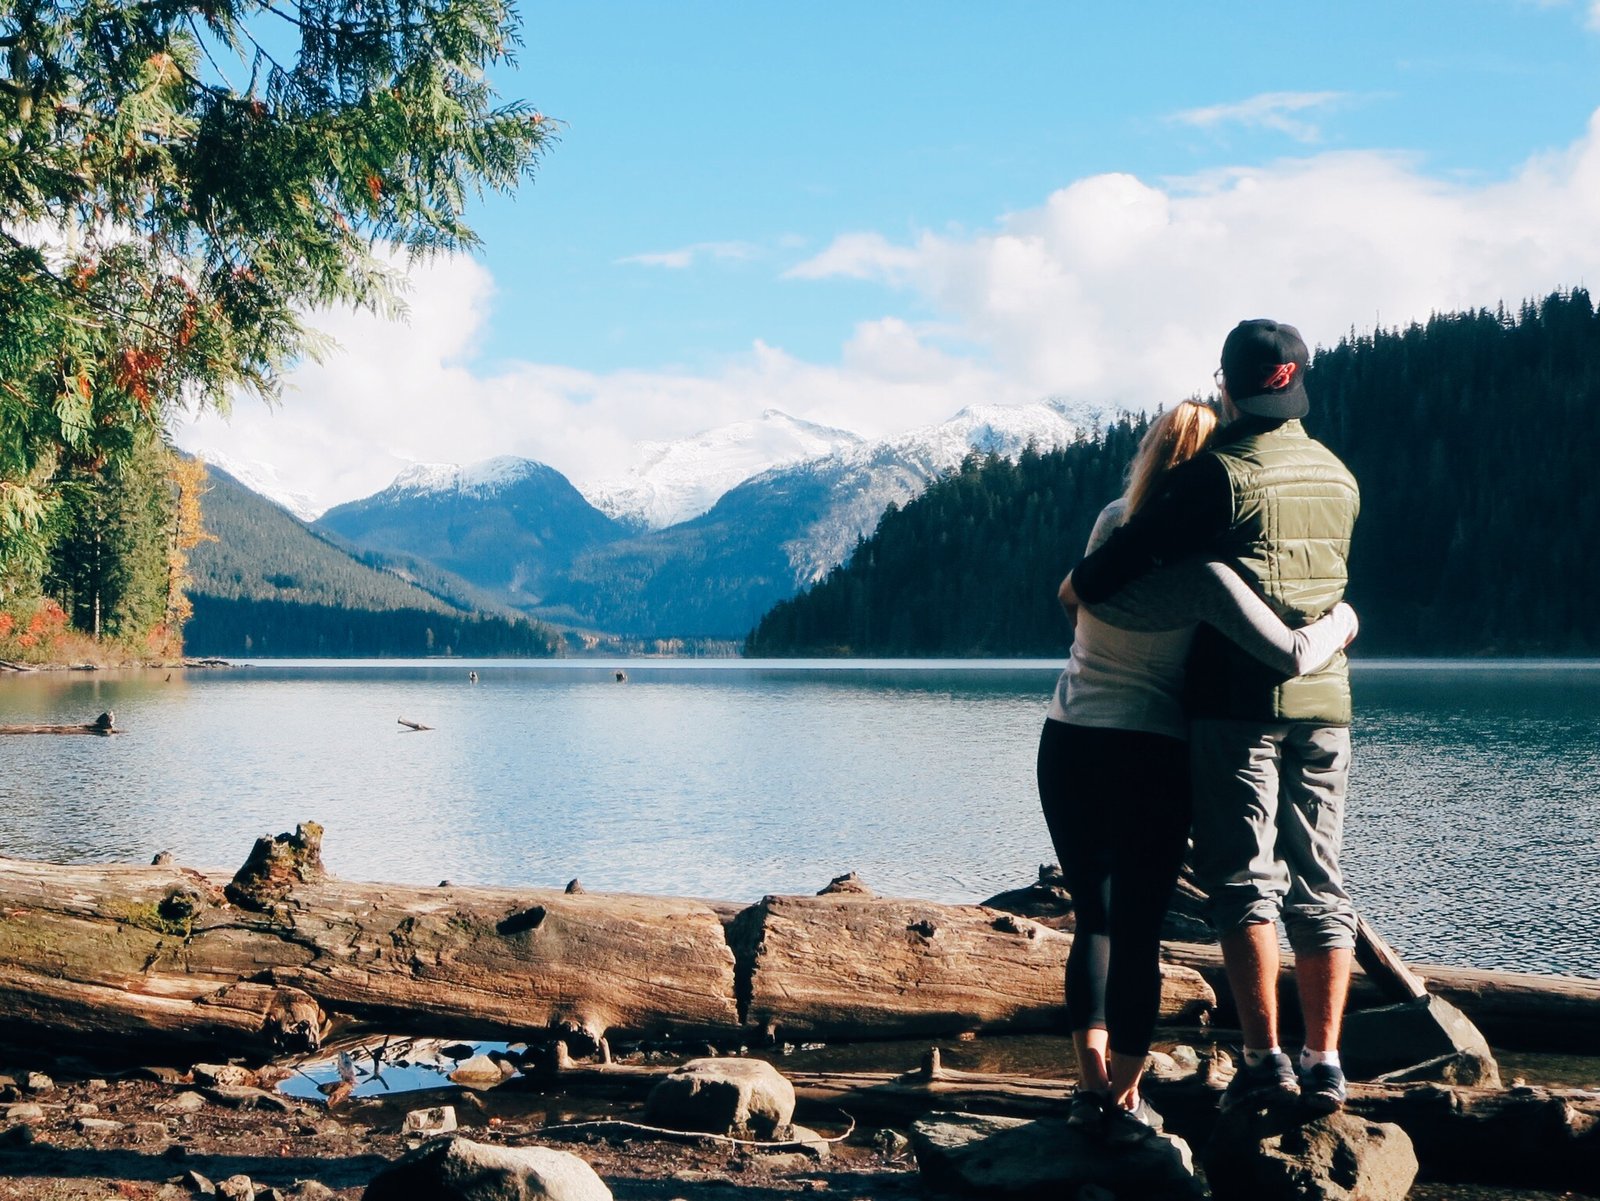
x: 871, y: 214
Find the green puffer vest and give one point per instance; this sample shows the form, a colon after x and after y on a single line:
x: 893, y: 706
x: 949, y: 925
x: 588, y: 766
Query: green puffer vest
x: 1294, y: 504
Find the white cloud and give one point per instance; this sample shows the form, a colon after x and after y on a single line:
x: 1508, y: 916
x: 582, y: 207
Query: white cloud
x: 687, y: 256
x: 1115, y: 290
x: 1280, y: 111
x: 398, y: 393
x: 1121, y: 291
x: 1594, y: 15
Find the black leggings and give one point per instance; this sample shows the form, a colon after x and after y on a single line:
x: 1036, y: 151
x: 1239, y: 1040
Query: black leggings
x: 1117, y: 803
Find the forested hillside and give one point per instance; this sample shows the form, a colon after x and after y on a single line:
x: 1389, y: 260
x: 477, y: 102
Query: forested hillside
x: 1471, y: 436
x: 268, y: 585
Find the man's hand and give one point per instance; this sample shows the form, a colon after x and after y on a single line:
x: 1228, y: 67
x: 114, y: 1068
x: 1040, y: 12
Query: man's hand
x: 1067, y: 597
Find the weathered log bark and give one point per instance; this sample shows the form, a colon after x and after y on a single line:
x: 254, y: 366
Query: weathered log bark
x: 165, y: 952
x: 161, y: 953
x: 850, y: 964
x: 1517, y: 1011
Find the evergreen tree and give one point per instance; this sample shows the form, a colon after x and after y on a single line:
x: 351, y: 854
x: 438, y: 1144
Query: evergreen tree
x: 179, y: 182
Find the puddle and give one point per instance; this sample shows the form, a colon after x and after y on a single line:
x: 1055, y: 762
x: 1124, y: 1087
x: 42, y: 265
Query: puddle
x: 383, y: 1067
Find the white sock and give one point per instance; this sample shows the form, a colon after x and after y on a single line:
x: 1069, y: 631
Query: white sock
x: 1254, y: 1057
x: 1309, y: 1058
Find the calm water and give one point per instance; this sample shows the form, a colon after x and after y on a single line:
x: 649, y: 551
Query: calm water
x: 1474, y: 832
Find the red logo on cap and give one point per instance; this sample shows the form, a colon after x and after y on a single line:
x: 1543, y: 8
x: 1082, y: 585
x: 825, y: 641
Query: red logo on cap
x: 1281, y: 378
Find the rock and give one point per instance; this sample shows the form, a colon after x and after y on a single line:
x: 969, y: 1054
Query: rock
x: 84, y: 1109
x: 1254, y: 1156
x: 1186, y: 1057
x: 26, y: 1111
x: 891, y: 1143
x: 239, y: 1097
x: 96, y: 1086
x: 97, y: 1126
x: 160, y: 1074
x: 811, y: 1143
x: 1425, y: 1039
x: 184, y: 1102
x: 161, y: 859
x: 150, y: 1132
x: 850, y: 882
x: 223, y: 1073
x: 719, y: 1096
x: 197, y: 1183
x: 310, y: 1190
x: 574, y: 888
x: 38, y: 1082
x: 1160, y: 1066
x: 457, y: 1168
x: 482, y: 1072
x: 237, y: 1188
x: 1017, y: 1157
x: 441, y: 1119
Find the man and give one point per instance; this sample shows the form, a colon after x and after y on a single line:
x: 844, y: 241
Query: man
x: 1270, y: 756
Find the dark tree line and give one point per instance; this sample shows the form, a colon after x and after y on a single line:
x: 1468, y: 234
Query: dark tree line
x: 274, y: 628
x: 1471, y: 435
x: 968, y: 568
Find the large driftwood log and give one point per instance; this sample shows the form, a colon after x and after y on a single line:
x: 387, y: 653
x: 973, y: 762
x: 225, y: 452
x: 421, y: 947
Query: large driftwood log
x: 1517, y: 1011
x: 852, y: 965
x: 158, y: 952
x: 265, y: 958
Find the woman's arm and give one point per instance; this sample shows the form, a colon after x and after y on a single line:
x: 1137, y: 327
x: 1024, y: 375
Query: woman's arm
x: 1229, y: 605
x: 1199, y: 590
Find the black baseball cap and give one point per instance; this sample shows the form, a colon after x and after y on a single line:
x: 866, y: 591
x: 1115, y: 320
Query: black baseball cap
x: 1264, y: 366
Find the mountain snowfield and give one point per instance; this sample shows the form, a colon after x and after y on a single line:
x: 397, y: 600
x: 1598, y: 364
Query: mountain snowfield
x: 864, y: 480
x: 674, y: 481
x: 263, y: 479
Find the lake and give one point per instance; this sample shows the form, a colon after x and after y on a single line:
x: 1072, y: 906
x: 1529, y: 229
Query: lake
x: 1473, y: 835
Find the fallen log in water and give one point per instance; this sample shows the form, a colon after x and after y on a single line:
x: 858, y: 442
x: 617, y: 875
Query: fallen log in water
x: 104, y: 724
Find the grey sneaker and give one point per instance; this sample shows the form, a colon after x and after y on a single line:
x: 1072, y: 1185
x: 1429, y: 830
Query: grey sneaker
x: 1132, y: 1125
x: 1322, y: 1088
x: 1086, y: 1108
x: 1270, y: 1082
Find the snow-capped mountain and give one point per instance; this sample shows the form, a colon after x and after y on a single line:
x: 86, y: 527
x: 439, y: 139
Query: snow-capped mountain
x: 522, y: 532
x: 715, y: 575
x: 475, y: 479
x: 263, y: 479
x: 674, y: 481
x: 864, y: 480
x: 508, y: 525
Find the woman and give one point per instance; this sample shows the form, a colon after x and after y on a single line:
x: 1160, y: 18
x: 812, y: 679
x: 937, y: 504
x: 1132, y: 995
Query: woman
x: 1114, y: 777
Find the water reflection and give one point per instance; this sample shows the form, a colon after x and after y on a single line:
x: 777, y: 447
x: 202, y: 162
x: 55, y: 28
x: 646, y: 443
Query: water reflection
x: 1474, y: 836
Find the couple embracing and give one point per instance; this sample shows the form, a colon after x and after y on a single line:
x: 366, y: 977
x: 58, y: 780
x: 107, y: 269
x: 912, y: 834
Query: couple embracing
x: 1208, y: 689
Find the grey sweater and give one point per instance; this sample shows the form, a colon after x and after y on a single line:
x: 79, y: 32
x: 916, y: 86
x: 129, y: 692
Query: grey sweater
x: 1128, y: 655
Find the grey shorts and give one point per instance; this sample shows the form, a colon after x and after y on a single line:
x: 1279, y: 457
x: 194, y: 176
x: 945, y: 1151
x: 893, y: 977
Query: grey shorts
x: 1268, y: 825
